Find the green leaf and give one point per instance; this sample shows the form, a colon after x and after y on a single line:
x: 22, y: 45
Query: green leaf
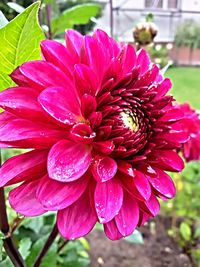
x: 6, y: 263
x: 24, y: 247
x: 197, y: 232
x: 135, y: 238
x: 34, y: 224
x: 16, y: 7
x: 3, y: 20
x: 50, y: 258
x: 78, y: 15
x: 19, y: 43
x: 185, y: 231
x: 85, y: 243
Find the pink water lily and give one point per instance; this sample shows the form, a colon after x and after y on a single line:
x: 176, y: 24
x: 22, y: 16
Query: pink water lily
x: 102, y: 133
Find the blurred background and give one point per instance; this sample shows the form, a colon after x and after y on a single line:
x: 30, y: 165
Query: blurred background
x: 170, y: 31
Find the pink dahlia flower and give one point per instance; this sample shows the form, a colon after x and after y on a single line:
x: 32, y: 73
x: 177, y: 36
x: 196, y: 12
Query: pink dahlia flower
x: 102, y: 133
x: 191, y: 125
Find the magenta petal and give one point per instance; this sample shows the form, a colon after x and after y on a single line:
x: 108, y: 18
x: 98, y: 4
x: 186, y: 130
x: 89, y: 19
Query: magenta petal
x: 148, y: 78
x: 56, y: 53
x: 104, y: 147
x: 128, y: 216
x: 78, y: 219
x: 74, y: 42
x: 22, y: 101
x: 23, y: 200
x: 125, y: 168
x: 27, y: 166
x: 163, y: 184
x: 42, y: 74
x: 19, y: 78
x: 68, y: 161
x: 82, y: 133
x: 108, y: 199
x: 163, y: 88
x: 112, y: 231
x: 95, y: 119
x: 143, y: 61
x: 112, y: 47
x: 104, y: 169
x: 176, y: 137
x: 152, y: 206
x: 129, y: 186
x: 129, y: 58
x: 169, y: 160
x: 88, y: 105
x: 142, y: 185
x: 144, y: 217
x: 95, y: 56
x: 85, y: 80
x: 27, y: 134
x: 61, y: 103
x: 54, y: 195
x: 172, y: 115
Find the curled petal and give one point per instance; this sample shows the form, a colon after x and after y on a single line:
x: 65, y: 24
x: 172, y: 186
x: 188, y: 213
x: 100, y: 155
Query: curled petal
x: 82, y: 133
x: 104, y: 169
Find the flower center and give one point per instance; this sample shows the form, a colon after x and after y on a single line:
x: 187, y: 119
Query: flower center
x: 130, y: 120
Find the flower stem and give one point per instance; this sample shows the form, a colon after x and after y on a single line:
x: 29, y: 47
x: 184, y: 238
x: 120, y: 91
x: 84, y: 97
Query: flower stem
x: 46, y: 247
x: 62, y: 245
x: 111, y: 18
x: 48, y: 17
x: 9, y: 246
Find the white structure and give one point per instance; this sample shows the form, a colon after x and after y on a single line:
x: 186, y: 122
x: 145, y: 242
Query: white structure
x: 168, y: 14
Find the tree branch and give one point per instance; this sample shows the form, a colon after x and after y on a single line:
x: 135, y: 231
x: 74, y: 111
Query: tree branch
x: 46, y: 247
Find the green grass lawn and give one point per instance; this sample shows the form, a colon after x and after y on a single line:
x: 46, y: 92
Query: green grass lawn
x: 186, y: 84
